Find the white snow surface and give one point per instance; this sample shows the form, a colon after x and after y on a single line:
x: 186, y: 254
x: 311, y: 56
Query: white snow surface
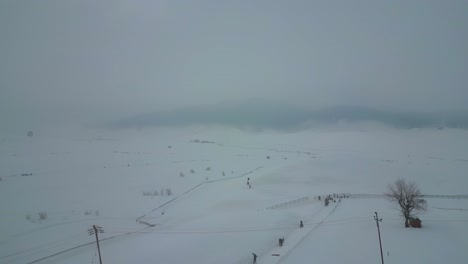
x: 100, y: 177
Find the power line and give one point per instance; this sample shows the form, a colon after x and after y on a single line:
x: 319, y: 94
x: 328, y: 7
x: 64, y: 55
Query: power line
x: 94, y: 256
x: 76, y: 247
x: 42, y: 248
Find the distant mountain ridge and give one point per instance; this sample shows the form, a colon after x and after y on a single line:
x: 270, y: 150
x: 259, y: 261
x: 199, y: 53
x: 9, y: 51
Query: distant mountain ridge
x: 282, y: 117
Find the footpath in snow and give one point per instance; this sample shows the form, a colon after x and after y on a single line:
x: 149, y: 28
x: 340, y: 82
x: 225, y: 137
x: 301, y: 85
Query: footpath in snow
x: 276, y: 254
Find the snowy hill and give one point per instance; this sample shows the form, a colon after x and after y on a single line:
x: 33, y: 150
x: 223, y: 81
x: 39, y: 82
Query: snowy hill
x: 181, y: 196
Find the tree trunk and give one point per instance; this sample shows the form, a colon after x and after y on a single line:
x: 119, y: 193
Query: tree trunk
x: 407, y: 222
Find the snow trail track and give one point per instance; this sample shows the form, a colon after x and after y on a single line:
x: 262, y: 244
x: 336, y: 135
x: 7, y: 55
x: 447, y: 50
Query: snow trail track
x: 277, y: 254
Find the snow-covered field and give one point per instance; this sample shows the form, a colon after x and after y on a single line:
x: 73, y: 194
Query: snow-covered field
x: 119, y: 180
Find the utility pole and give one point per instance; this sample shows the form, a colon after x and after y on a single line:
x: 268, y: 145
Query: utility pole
x: 377, y: 220
x: 96, y: 229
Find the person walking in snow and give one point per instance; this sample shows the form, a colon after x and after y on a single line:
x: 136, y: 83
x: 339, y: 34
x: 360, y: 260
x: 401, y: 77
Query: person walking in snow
x: 254, y: 258
x: 301, y: 225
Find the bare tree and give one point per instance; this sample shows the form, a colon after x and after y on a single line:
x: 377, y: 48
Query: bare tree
x: 407, y: 196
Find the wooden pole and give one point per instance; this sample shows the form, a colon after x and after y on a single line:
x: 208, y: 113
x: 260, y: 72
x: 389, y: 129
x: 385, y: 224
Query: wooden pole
x: 377, y: 220
x: 97, y: 242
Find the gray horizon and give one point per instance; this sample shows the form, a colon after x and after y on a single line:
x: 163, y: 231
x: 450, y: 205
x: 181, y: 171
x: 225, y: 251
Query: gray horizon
x: 259, y: 116
x: 85, y: 63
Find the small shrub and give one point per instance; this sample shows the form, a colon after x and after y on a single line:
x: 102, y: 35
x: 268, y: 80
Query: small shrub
x: 42, y: 216
x: 208, y: 168
x: 155, y: 193
x: 268, y: 157
x: 162, y: 192
x: 28, y: 216
x: 192, y: 171
x: 181, y: 174
x: 87, y: 213
x: 224, y: 174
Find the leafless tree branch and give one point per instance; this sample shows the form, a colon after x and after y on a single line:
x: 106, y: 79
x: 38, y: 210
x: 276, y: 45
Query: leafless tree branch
x: 408, y: 198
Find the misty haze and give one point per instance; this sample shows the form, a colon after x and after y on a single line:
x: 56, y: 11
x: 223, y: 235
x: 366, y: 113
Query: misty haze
x: 233, y: 131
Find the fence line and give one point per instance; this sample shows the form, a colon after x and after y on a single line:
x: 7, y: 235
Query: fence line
x: 193, y: 188
x: 458, y: 196
x: 443, y: 196
x: 362, y: 195
x: 287, y: 203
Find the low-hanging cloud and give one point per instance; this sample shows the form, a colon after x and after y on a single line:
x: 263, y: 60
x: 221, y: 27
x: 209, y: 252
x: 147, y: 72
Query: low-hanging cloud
x: 259, y: 116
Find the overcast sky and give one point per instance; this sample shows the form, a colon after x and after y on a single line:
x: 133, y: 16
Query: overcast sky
x: 89, y: 61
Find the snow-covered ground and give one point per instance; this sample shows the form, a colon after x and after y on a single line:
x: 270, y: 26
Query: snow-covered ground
x: 110, y: 179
